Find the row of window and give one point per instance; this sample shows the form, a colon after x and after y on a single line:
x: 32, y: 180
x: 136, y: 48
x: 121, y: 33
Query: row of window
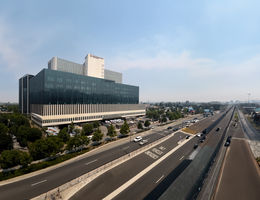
x: 73, y: 119
x: 50, y: 87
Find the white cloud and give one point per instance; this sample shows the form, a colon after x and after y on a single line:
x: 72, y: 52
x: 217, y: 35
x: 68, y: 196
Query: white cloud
x: 162, y: 60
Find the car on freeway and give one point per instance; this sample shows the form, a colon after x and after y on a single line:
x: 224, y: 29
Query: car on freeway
x: 227, y: 144
x: 188, y: 136
x: 228, y: 141
x: 143, y: 142
x: 199, y: 135
x: 175, y: 129
x: 138, y: 139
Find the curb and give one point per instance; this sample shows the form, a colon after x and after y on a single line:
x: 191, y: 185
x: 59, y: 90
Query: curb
x: 67, y: 190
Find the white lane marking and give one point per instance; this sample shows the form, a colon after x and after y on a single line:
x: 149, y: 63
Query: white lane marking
x: 90, y: 162
x: 125, y: 148
x: 157, y: 151
x: 152, y: 155
x: 38, y: 182
x: 140, y: 174
x: 162, y: 148
x: 181, y: 158
x: 159, y: 179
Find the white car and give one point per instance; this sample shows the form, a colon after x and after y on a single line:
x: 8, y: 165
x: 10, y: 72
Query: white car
x: 143, y: 142
x: 138, y: 138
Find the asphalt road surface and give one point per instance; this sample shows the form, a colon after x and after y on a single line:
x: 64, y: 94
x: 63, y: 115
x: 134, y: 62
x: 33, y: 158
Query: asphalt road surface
x: 36, y: 185
x: 157, y: 179
x: 240, y: 177
x: 114, y: 178
x: 153, y: 184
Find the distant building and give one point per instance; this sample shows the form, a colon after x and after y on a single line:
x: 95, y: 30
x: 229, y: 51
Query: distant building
x: 93, y: 66
x: 69, y: 92
x: 24, y: 93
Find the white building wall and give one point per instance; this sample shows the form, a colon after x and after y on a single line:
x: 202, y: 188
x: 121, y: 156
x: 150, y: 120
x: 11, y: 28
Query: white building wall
x: 94, y: 66
x: 95, y: 112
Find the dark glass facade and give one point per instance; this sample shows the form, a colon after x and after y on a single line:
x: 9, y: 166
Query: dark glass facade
x: 57, y: 87
x: 24, y: 93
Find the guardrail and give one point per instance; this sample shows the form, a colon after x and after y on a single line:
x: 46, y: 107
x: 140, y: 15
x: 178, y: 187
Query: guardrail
x: 188, y: 184
x: 75, y: 185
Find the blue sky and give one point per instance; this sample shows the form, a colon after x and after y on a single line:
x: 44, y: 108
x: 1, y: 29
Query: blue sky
x: 174, y: 50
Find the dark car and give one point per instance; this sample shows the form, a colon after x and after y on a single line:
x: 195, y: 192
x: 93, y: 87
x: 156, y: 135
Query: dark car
x: 169, y: 127
x: 205, y: 131
x: 227, y: 144
x: 188, y: 136
x: 218, y: 129
x: 175, y: 129
x: 195, y: 146
x: 228, y: 141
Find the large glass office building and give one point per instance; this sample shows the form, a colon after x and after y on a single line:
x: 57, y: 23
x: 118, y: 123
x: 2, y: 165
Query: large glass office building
x: 56, y: 96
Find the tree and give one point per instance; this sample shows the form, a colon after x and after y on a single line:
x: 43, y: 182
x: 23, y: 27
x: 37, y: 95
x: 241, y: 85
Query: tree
x: 77, y: 141
x: 46, y: 147
x: 147, y: 123
x: 22, y: 135
x: 87, y: 129
x: 34, y: 134
x: 124, y: 130
x: 9, y: 158
x: 163, y: 119
x: 64, y: 135
x: 111, y: 132
x: 24, y: 159
x: 140, y: 125
x: 77, y: 131
x: 12, y: 158
x: 71, y: 127
x: 18, y: 120
x: 97, y: 136
x: 3, y: 128
x: 96, y: 124
x: 6, y: 141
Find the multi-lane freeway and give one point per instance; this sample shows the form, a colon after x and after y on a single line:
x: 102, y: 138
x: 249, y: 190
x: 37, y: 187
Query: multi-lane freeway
x: 174, y: 154
x: 135, y: 179
x: 43, y: 182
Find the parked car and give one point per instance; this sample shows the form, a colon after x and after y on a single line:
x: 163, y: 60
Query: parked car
x: 218, y: 129
x: 195, y: 146
x: 188, y: 136
x: 138, y: 138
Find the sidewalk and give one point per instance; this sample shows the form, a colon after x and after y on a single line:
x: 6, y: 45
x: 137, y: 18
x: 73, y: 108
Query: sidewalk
x: 93, y: 152
x: 251, y: 135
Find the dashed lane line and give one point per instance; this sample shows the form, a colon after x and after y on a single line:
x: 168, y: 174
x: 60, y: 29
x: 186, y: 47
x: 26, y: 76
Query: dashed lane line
x: 142, y: 173
x: 91, y: 162
x: 159, y: 179
x: 181, y: 158
x: 38, y: 182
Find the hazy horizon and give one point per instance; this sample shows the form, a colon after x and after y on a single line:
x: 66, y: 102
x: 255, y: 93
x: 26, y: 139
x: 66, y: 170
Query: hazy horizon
x: 174, y: 51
